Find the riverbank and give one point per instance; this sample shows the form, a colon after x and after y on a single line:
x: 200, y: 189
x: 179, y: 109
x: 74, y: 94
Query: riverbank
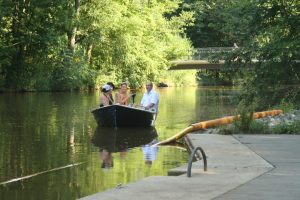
x: 239, y: 167
x: 285, y: 118
x: 286, y: 123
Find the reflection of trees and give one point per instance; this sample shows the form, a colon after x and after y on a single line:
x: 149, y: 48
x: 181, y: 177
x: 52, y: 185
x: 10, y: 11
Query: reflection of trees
x: 39, y: 132
x: 179, y: 106
x: 213, y: 102
x: 176, y: 105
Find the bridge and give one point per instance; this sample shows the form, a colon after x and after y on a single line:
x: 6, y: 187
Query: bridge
x: 202, y: 59
x: 207, y: 58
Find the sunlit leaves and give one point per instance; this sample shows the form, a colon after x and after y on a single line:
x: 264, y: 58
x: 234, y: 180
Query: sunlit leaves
x: 139, y: 39
x: 59, y: 45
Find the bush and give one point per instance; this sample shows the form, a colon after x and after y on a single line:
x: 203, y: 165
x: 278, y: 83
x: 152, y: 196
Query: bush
x: 284, y: 128
x: 258, y: 127
x: 228, y: 130
x: 214, y: 77
x: 245, y: 110
x: 286, y: 105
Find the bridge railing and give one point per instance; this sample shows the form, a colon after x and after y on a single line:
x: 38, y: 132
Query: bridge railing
x: 210, y: 53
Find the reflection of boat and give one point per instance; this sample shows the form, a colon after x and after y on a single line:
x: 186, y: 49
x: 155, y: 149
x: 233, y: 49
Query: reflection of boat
x: 123, y: 116
x: 116, y: 140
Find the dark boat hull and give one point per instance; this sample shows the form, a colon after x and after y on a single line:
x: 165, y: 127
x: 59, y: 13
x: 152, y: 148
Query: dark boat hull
x: 122, y: 116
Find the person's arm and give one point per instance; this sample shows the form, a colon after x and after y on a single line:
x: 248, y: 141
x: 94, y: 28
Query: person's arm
x: 153, y: 101
x: 122, y: 100
x: 126, y: 99
x: 117, y: 98
x: 104, y: 100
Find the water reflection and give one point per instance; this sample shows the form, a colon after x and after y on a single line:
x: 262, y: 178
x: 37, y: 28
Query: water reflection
x: 45, y: 131
x: 110, y: 140
x: 150, y: 152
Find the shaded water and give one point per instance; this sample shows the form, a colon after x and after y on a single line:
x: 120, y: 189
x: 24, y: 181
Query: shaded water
x: 51, y: 148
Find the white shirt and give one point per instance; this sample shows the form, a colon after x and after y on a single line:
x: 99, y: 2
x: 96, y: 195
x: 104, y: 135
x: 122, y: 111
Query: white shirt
x: 151, y: 97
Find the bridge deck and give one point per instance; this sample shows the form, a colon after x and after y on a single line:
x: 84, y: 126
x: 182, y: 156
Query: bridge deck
x: 196, y: 64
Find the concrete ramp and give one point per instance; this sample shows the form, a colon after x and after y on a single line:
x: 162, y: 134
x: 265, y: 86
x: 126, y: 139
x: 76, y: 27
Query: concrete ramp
x: 230, y: 164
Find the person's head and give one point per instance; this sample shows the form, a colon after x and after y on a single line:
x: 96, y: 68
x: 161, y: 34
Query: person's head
x: 111, y: 85
x: 106, y: 88
x: 149, y: 86
x: 123, y: 87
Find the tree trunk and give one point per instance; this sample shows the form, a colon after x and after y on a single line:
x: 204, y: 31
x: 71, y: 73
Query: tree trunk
x: 72, y: 39
x: 72, y: 33
x: 89, y: 53
x: 14, y: 72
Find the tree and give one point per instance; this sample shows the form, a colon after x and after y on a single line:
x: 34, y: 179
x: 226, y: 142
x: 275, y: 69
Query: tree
x: 137, y: 42
x: 267, y: 31
x: 77, y: 44
x: 221, y: 23
x: 28, y: 31
x: 276, y: 76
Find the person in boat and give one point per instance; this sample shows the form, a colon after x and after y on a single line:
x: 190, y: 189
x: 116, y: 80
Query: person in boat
x: 112, y: 88
x: 106, y: 96
x: 122, y: 97
x: 150, y: 98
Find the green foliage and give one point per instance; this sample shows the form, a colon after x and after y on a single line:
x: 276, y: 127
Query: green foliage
x: 71, y: 73
x: 67, y: 45
x: 246, y: 123
x: 245, y: 110
x: 28, y: 31
x: 258, y: 127
x: 219, y: 23
x: 287, y: 128
x: 266, y: 31
x: 255, y: 127
x: 286, y: 106
x: 276, y: 46
x: 227, y: 130
x: 215, y: 77
x: 179, y: 78
x: 269, y: 83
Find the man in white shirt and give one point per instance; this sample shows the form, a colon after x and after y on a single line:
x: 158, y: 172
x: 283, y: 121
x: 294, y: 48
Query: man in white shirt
x: 150, y: 99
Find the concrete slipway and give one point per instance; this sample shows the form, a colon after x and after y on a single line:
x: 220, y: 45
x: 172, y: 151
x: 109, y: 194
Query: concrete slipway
x: 239, y: 167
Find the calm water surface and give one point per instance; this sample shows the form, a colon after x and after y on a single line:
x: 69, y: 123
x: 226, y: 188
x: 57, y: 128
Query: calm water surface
x: 51, y: 147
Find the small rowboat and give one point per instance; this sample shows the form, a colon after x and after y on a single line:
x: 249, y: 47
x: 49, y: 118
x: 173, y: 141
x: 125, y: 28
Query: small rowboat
x: 123, y: 116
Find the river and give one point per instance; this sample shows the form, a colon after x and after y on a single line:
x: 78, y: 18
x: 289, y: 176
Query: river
x: 51, y: 148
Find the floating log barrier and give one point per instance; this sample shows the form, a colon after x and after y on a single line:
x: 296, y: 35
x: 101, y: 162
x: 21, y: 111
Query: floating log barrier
x: 215, y: 122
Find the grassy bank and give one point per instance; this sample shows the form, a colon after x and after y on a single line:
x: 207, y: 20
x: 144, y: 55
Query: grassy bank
x: 288, y: 123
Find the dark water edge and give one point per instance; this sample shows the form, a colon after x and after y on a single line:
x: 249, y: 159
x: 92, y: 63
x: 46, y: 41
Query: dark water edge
x: 53, y: 138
